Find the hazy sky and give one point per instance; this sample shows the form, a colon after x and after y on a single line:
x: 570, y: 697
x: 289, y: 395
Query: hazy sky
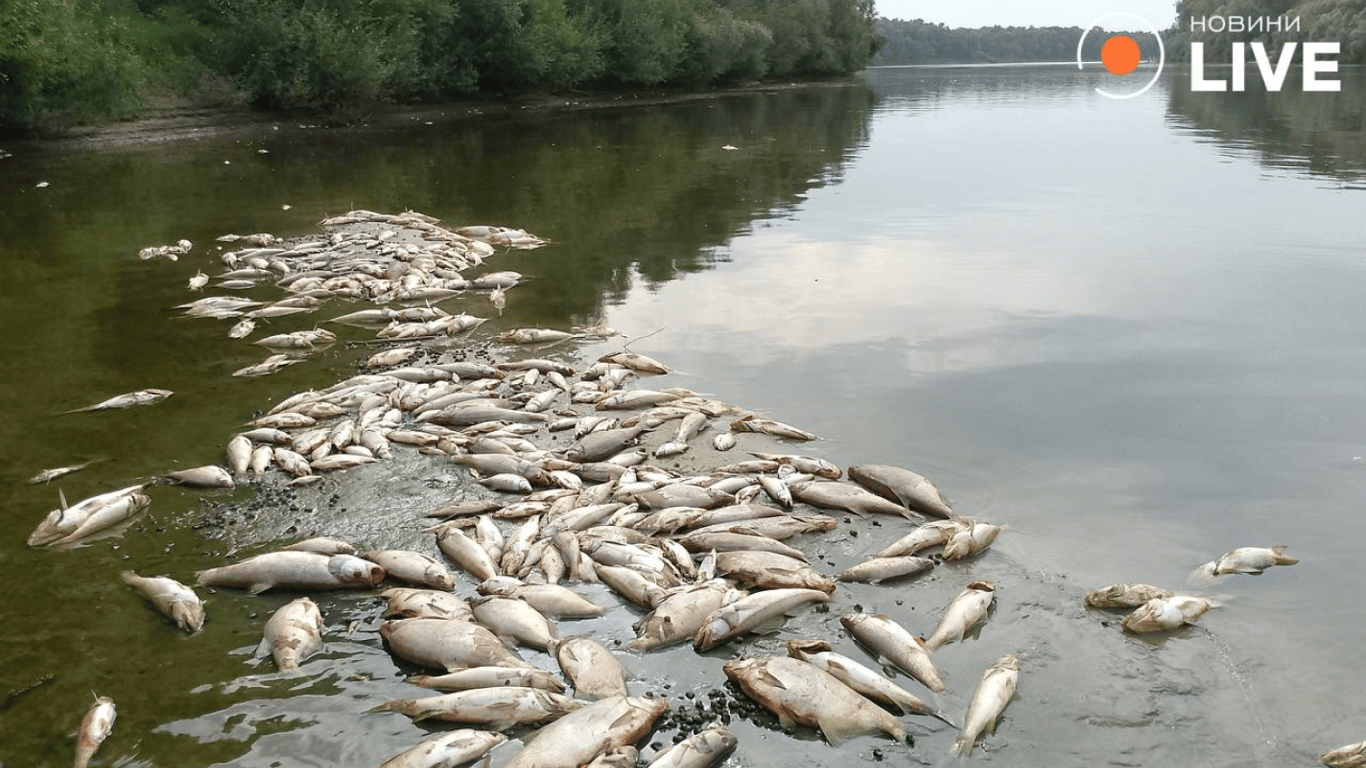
x: 1024, y: 13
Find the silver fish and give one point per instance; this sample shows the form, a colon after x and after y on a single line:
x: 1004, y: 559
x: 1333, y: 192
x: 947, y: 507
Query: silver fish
x: 966, y: 611
x: 988, y: 702
x: 446, y: 644
x: 49, y: 475
x: 496, y: 708
x: 412, y: 603
x: 879, y: 569
x: 140, y: 397
x: 892, y: 642
x: 903, y: 487
x: 88, y: 517
x: 295, y: 570
x: 752, y: 423
x: 1252, y: 560
x: 592, y: 669
x: 799, y: 693
x: 600, y: 728
x: 750, y: 612
x: 412, y: 567
x: 704, y: 749
x: 447, y: 750
x: 208, y: 476
x: 489, y: 677
x: 859, y: 677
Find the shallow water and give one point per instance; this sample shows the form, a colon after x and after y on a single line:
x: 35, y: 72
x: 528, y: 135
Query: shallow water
x: 1130, y: 331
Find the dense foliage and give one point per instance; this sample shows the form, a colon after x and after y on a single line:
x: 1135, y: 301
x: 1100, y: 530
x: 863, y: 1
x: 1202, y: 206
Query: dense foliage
x: 920, y: 42
x: 69, y: 61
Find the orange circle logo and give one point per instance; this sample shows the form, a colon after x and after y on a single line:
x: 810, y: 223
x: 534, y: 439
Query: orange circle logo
x: 1120, y: 55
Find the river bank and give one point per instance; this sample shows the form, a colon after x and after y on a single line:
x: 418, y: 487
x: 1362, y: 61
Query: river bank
x: 220, y: 112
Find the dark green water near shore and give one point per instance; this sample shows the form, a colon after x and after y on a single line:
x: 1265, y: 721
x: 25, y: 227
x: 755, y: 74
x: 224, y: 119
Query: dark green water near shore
x: 1129, y: 331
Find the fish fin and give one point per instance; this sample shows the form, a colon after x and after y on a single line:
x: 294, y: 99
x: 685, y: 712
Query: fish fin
x: 832, y: 735
x: 768, y: 677
x: 61, y: 496
x: 991, y: 725
x: 258, y: 588
x: 127, y: 576
x: 962, y: 746
x: 940, y: 717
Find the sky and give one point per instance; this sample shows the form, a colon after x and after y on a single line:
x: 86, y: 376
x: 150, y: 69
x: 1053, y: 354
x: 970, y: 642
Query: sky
x: 1024, y: 13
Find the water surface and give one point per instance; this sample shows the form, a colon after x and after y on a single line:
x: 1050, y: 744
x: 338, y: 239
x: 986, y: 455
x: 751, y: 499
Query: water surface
x: 1131, y: 331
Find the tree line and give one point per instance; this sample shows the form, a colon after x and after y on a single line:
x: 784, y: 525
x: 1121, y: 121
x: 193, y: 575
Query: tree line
x: 923, y: 42
x: 1326, y: 21
x: 67, y: 62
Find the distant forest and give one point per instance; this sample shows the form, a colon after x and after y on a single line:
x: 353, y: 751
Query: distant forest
x: 920, y: 42
x: 68, y: 62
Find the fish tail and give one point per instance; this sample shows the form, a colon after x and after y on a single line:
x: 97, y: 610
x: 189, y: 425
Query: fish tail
x: 1281, y: 559
x: 962, y: 746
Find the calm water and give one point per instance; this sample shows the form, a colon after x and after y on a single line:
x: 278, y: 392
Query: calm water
x: 1131, y: 331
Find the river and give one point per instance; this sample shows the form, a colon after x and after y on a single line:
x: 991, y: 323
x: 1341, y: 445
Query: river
x: 1130, y: 331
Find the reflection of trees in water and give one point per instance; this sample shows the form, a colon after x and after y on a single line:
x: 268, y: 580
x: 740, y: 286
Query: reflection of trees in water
x: 1323, y: 134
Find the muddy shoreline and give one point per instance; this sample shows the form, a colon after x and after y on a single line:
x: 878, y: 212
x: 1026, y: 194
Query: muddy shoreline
x: 185, y: 119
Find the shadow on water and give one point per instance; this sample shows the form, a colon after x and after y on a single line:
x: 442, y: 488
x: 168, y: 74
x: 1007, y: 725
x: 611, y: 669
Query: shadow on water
x: 630, y: 195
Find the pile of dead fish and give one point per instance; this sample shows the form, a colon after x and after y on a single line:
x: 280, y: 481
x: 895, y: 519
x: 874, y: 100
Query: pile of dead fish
x: 707, y: 552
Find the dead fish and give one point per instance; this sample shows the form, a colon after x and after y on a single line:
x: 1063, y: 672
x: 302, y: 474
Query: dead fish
x: 860, y: 677
x: 242, y: 329
x: 966, y: 611
x: 293, y: 633
x: 140, y: 397
x: 988, y: 702
x: 809, y: 464
x: 88, y: 517
x: 95, y: 728
x: 682, y: 613
x: 600, y: 445
x: 295, y: 570
x: 412, y: 603
x: 752, y: 423
x: 879, y: 569
x: 514, y: 620
x: 198, y: 282
x: 636, y: 362
x: 931, y: 534
x: 723, y: 441
x: 1161, y: 614
x: 890, y: 641
x: 412, y: 567
x: 970, y: 541
x: 1251, y: 560
x: 465, y: 552
x: 549, y: 599
x: 446, y: 644
x: 268, y: 366
x: 704, y: 749
x: 1125, y: 595
x: 1350, y: 756
x: 447, y: 750
x: 208, y: 476
x: 496, y: 708
x: 752, y: 612
x: 323, y: 545
x: 533, y: 336
x: 903, y: 487
x: 176, y: 601
x: 49, y: 475
x: 799, y: 693
x: 592, y: 669
x: 770, y: 570
x: 851, y: 498
x: 489, y: 677
x: 600, y: 728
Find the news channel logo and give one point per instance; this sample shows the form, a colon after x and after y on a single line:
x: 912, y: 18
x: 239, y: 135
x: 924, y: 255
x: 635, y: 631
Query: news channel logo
x: 1121, y: 54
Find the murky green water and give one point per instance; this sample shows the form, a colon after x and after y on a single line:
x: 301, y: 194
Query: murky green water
x: 1128, y: 330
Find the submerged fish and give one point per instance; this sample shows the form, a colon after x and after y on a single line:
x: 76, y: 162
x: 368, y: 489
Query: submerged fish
x: 88, y: 517
x: 49, y: 475
x: 95, y: 728
x: 140, y: 397
x: 293, y: 633
x: 447, y: 750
